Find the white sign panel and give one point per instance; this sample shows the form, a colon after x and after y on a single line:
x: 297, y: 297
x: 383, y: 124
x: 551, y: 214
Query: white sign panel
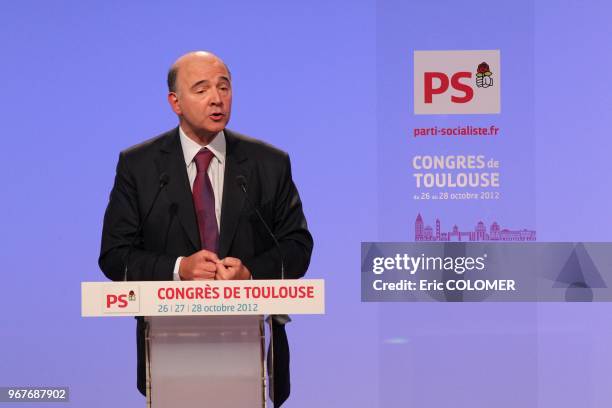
x: 193, y: 298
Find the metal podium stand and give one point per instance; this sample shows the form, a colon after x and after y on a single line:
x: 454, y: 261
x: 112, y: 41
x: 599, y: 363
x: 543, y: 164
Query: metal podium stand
x: 214, y: 361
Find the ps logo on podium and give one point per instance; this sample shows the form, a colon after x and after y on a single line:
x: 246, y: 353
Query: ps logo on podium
x: 125, y: 301
x: 457, y: 82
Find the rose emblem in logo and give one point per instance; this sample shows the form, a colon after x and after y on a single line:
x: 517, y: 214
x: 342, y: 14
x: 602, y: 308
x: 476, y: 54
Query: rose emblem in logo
x: 484, y: 76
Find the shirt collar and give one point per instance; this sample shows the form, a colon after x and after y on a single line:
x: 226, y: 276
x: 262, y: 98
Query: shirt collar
x: 191, y: 148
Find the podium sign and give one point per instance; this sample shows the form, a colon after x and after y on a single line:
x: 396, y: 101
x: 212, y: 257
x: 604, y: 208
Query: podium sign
x: 202, y: 298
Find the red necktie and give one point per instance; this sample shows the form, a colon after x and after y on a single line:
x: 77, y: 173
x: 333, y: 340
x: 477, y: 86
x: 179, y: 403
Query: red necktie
x: 204, y: 202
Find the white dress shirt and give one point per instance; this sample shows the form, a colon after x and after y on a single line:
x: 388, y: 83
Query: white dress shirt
x: 216, y: 172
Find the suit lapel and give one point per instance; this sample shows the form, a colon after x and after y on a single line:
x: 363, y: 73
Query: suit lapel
x: 233, y: 196
x: 172, y: 162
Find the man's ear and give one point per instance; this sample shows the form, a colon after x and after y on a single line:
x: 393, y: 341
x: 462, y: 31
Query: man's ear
x: 174, y: 103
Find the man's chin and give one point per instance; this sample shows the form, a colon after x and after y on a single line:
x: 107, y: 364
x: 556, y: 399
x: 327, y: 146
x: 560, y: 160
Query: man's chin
x: 215, y: 127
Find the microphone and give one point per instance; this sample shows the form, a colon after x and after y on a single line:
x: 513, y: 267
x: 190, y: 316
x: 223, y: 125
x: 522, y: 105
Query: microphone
x: 242, y: 183
x: 279, y: 319
x: 163, y: 181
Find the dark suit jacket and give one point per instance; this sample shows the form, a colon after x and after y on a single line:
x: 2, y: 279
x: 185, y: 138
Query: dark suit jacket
x: 171, y: 229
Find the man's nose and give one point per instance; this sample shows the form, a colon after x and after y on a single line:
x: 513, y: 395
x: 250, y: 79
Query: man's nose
x: 215, y: 97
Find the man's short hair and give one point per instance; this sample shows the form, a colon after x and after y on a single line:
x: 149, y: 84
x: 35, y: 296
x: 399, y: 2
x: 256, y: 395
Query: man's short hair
x: 172, y: 74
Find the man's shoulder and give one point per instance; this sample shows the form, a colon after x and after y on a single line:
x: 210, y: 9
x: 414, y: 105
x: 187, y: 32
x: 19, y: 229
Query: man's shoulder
x: 253, y: 147
x: 151, y: 145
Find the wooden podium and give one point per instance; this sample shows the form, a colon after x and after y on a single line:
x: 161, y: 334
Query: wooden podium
x: 205, y: 340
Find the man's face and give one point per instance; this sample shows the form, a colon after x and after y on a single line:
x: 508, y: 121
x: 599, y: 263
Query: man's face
x: 203, y: 97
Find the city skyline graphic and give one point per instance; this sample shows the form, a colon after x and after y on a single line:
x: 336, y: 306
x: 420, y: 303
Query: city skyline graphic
x: 495, y: 232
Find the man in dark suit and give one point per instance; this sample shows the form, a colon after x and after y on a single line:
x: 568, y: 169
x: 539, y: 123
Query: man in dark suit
x: 202, y: 226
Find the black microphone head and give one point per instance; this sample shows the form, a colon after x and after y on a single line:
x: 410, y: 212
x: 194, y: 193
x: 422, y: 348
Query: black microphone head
x: 163, y: 179
x: 241, y: 181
